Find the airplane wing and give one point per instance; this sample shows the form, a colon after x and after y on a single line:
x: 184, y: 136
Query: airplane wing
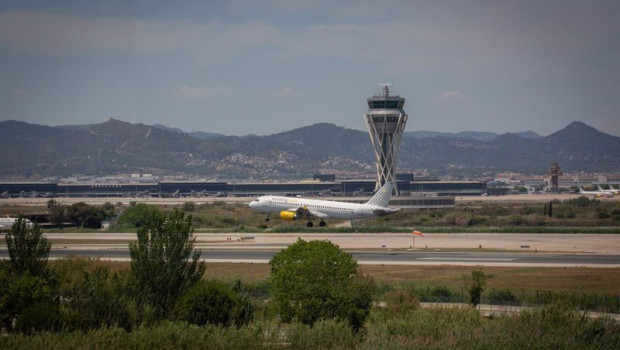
x: 304, y: 212
x: 318, y: 214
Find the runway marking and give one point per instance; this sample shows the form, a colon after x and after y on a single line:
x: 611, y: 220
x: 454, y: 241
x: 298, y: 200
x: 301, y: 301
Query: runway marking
x: 469, y: 259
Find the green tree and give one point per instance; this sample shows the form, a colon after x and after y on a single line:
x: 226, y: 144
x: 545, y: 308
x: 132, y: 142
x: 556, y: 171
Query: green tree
x: 28, y: 249
x: 28, y: 293
x: 475, y: 286
x: 86, y: 216
x: 317, y: 280
x: 57, y: 211
x: 136, y: 214
x: 164, y: 263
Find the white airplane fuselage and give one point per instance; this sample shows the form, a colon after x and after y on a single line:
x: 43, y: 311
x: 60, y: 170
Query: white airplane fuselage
x: 7, y: 223
x: 306, y: 208
x: 319, y: 208
x: 597, y: 194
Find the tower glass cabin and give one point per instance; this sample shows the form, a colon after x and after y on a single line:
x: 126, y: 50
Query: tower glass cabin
x: 386, y: 121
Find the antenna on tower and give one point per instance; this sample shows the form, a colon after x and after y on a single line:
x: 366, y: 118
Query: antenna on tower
x: 385, y: 89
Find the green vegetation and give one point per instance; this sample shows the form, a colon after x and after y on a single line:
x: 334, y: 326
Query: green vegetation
x: 554, y: 216
x: 475, y: 286
x: 160, y: 261
x: 317, y: 280
x: 315, y: 297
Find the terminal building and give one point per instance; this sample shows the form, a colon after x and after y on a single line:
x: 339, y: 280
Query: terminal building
x: 413, y: 193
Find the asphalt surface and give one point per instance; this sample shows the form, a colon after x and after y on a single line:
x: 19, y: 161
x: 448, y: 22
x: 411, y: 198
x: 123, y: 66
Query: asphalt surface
x: 378, y: 257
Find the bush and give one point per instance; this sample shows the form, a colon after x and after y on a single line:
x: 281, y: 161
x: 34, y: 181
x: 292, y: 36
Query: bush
x: 136, y: 215
x: 401, y: 302
x: 603, y: 215
x: 102, y: 300
x: 502, y: 296
x: 441, y: 294
x: 188, y: 206
x: 516, y: 220
x: 214, y: 302
x: 325, y: 334
x: 39, y: 317
x: 19, y: 294
x: 317, y: 280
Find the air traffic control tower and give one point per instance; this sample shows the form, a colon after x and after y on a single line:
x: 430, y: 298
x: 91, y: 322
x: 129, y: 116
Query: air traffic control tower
x: 386, y: 121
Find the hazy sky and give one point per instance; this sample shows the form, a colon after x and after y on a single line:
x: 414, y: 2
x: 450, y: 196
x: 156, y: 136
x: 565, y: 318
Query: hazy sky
x: 241, y: 67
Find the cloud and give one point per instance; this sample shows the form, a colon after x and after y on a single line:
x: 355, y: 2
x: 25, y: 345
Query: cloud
x: 20, y: 92
x: 499, y: 37
x: 202, y: 93
x: 64, y: 35
x: 285, y: 91
x: 450, y: 98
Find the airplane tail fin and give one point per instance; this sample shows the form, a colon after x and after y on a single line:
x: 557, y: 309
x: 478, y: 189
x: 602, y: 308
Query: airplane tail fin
x: 382, y: 197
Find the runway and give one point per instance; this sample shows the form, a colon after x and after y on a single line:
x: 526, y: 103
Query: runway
x: 386, y: 257
x: 471, y: 249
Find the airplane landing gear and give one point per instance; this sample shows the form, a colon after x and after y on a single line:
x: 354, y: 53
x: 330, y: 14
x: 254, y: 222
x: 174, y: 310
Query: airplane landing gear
x: 267, y: 218
x: 322, y: 223
x: 309, y: 224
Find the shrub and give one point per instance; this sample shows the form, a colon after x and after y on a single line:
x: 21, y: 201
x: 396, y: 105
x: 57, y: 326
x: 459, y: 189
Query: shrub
x: 214, y: 302
x: 324, y: 334
x: 441, y: 294
x: 39, y: 317
x: 188, y: 206
x: 400, y: 302
x: 101, y: 300
x: 19, y: 294
x: 516, y: 220
x: 502, y: 296
x: 603, y: 215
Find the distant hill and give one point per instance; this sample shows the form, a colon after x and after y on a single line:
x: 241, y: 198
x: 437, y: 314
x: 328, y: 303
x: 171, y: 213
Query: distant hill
x: 473, y: 135
x: 197, y: 134
x: 34, y: 151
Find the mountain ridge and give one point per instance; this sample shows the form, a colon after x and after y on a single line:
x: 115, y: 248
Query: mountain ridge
x: 115, y: 147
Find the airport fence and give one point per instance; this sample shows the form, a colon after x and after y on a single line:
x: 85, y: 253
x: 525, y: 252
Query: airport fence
x: 505, y: 297
x: 608, y: 304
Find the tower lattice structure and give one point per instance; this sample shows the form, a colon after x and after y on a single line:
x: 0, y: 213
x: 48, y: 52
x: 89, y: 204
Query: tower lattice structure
x: 386, y: 122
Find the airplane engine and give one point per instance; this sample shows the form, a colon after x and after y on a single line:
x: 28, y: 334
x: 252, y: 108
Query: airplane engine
x: 289, y: 215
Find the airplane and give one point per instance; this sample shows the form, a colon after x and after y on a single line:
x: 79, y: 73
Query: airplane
x: 596, y: 194
x: 291, y: 209
x: 7, y: 223
x: 612, y: 191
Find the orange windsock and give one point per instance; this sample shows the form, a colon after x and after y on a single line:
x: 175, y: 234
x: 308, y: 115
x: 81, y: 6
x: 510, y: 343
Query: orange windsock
x: 418, y: 233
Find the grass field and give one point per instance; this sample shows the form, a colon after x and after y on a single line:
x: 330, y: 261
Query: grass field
x: 579, y: 280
